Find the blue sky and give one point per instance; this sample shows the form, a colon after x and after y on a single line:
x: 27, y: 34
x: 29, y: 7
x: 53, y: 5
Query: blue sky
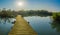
x: 50, y: 5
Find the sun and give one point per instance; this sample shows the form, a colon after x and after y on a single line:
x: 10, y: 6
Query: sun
x: 20, y: 3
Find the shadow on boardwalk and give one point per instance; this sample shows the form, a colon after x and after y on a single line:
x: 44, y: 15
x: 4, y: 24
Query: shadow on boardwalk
x: 21, y: 27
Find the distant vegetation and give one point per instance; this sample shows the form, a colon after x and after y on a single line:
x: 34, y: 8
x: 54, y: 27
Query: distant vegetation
x: 12, y: 13
x: 56, y: 17
x: 56, y: 21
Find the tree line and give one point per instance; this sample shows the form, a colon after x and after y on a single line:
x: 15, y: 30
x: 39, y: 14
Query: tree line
x: 13, y: 13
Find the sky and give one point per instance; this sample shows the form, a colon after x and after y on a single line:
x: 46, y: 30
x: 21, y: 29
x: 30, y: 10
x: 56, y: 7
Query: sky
x: 50, y: 5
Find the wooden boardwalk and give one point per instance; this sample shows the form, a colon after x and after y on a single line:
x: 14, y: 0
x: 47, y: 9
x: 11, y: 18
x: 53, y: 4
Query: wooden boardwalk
x: 21, y: 27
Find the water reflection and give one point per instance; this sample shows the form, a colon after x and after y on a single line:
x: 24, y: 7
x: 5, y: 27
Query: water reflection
x: 6, y: 25
x: 7, y: 20
x: 56, y: 25
x: 42, y: 25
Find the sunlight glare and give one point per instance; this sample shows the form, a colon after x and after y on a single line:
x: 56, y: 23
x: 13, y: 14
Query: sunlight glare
x: 20, y: 3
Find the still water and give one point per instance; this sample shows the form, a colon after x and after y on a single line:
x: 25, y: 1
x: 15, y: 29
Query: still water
x: 42, y: 25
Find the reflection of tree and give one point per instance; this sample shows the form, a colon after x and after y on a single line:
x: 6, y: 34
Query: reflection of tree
x: 56, y: 25
x: 4, y: 20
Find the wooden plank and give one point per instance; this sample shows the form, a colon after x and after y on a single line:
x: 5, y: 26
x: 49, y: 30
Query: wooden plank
x: 21, y: 27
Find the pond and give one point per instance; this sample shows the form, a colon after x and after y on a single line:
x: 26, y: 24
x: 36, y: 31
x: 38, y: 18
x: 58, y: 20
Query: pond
x: 5, y: 25
x: 42, y: 25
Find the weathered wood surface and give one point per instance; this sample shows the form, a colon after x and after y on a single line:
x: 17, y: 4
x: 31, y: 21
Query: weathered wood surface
x: 21, y: 27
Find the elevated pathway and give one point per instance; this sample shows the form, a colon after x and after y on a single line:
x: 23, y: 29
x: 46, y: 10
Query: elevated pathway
x: 21, y: 27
